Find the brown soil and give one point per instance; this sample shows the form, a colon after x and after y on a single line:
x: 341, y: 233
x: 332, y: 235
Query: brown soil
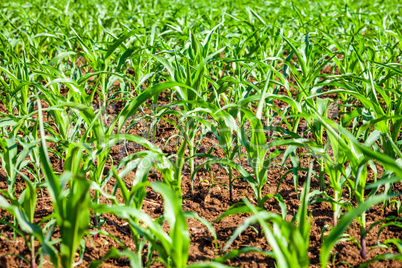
x: 208, y: 202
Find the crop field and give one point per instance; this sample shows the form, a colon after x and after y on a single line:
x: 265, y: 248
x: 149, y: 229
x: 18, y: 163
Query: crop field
x: 179, y: 133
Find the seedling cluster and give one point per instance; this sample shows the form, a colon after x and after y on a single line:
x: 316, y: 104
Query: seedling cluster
x: 105, y: 104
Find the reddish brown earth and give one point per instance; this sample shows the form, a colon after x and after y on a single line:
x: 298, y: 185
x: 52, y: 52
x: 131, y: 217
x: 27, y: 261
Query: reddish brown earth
x: 208, y: 202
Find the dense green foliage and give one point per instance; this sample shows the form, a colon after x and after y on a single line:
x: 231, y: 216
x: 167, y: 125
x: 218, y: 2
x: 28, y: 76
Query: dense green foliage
x: 318, y: 77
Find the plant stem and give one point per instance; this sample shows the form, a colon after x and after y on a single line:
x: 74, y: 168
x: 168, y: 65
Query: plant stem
x: 230, y: 185
x: 191, y: 151
x: 61, y: 159
x: 363, y: 249
x: 336, y: 207
x: 33, y: 264
x: 363, y: 252
x: 259, y: 194
x: 296, y: 124
x: 96, y: 216
x: 322, y: 172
